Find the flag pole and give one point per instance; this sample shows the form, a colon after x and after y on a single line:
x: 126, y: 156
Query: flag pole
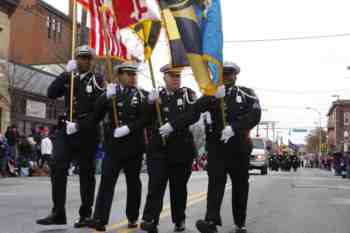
x: 150, y: 65
x: 109, y: 63
x: 222, y: 103
x: 74, y: 33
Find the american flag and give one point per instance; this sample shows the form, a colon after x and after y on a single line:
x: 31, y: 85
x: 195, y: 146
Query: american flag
x: 116, y: 47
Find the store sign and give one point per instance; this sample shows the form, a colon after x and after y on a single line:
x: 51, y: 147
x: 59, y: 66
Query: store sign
x: 299, y: 130
x: 36, y: 109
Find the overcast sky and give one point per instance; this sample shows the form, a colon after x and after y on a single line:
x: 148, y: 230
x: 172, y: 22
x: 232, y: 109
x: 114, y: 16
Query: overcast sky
x: 288, y: 75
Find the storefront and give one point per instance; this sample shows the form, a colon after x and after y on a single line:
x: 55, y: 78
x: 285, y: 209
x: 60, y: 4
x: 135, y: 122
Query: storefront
x: 30, y: 107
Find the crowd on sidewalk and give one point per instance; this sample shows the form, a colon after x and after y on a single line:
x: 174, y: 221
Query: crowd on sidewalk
x: 22, y: 155
x: 30, y: 155
x: 338, y: 163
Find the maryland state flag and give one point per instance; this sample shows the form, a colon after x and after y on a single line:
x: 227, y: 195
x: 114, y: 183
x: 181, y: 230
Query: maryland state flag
x: 148, y: 31
x: 194, y: 28
x: 137, y: 15
x: 130, y: 12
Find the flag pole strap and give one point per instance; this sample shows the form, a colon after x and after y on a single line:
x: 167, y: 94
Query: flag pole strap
x: 74, y: 34
x: 222, y: 104
x: 109, y: 64
x: 150, y: 65
x: 159, y: 115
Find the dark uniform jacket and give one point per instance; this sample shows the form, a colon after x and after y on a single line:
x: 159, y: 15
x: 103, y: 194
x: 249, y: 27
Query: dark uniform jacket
x: 86, y: 92
x: 179, y: 146
x: 131, y: 111
x: 242, y: 110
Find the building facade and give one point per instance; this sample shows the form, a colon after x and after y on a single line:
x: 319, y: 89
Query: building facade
x: 49, y: 30
x: 338, y: 126
x: 7, y: 8
x: 30, y: 107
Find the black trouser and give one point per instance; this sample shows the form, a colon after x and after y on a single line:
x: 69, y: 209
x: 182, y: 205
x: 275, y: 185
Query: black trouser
x: 111, y: 168
x: 44, y: 158
x: 160, y: 172
x: 64, y: 152
x: 220, y: 164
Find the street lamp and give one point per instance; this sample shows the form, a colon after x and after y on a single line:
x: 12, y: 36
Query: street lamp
x: 319, y: 121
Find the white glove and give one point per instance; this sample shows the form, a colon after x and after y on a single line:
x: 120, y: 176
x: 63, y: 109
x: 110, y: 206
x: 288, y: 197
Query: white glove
x: 165, y: 130
x: 121, y: 131
x: 71, y: 66
x: 227, y: 133
x: 221, y: 92
x: 152, y: 96
x: 71, y: 127
x: 111, y: 90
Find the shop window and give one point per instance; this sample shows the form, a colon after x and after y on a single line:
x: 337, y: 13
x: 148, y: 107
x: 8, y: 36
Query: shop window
x: 48, y: 25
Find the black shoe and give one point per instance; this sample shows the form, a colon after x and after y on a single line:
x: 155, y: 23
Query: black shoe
x: 132, y: 224
x: 206, y: 227
x: 240, y: 229
x: 97, y: 225
x: 149, y: 226
x: 179, y: 227
x: 82, y: 222
x: 53, y: 219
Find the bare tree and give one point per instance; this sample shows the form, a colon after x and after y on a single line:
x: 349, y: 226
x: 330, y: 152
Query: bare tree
x: 313, y: 140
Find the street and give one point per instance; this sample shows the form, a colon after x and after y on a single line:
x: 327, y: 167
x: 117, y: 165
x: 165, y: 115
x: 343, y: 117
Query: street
x: 307, y: 201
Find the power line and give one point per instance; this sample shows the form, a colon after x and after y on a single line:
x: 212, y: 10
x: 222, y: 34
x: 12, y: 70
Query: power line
x: 291, y: 107
x: 291, y: 38
x: 304, y: 92
x: 312, y: 37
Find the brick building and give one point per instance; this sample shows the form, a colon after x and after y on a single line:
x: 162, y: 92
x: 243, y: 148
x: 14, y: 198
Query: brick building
x: 40, y: 34
x: 339, y: 126
x: 7, y: 8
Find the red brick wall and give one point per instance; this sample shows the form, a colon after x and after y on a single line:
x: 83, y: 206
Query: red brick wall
x: 29, y: 36
x: 340, y: 127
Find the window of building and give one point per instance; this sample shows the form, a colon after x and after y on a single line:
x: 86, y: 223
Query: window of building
x: 48, y: 25
x: 346, y: 118
x: 59, y: 31
x: 54, y: 29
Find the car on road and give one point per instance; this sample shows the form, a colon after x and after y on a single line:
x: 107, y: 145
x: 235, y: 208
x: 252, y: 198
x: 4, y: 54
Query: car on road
x: 259, y: 158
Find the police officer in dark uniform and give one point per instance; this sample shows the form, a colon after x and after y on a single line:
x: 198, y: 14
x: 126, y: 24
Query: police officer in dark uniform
x: 228, y: 148
x: 169, y: 159
x: 75, y: 140
x: 122, y: 145
x: 133, y: 82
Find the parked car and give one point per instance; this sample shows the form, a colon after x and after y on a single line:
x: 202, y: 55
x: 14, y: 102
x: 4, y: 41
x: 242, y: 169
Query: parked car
x: 259, y: 158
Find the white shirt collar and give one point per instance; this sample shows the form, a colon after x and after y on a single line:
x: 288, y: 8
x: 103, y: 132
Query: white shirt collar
x: 83, y: 75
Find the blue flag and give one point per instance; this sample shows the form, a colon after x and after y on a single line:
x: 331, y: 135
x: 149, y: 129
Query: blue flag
x: 210, y: 20
x: 195, y: 28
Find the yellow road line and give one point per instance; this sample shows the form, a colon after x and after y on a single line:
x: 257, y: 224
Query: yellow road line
x: 191, y: 200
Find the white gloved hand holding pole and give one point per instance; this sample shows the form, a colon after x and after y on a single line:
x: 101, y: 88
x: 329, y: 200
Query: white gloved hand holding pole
x: 165, y: 129
x: 71, y: 66
x: 111, y: 90
x: 221, y: 92
x: 121, y: 131
x: 227, y: 133
x: 152, y: 96
x: 71, y: 127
